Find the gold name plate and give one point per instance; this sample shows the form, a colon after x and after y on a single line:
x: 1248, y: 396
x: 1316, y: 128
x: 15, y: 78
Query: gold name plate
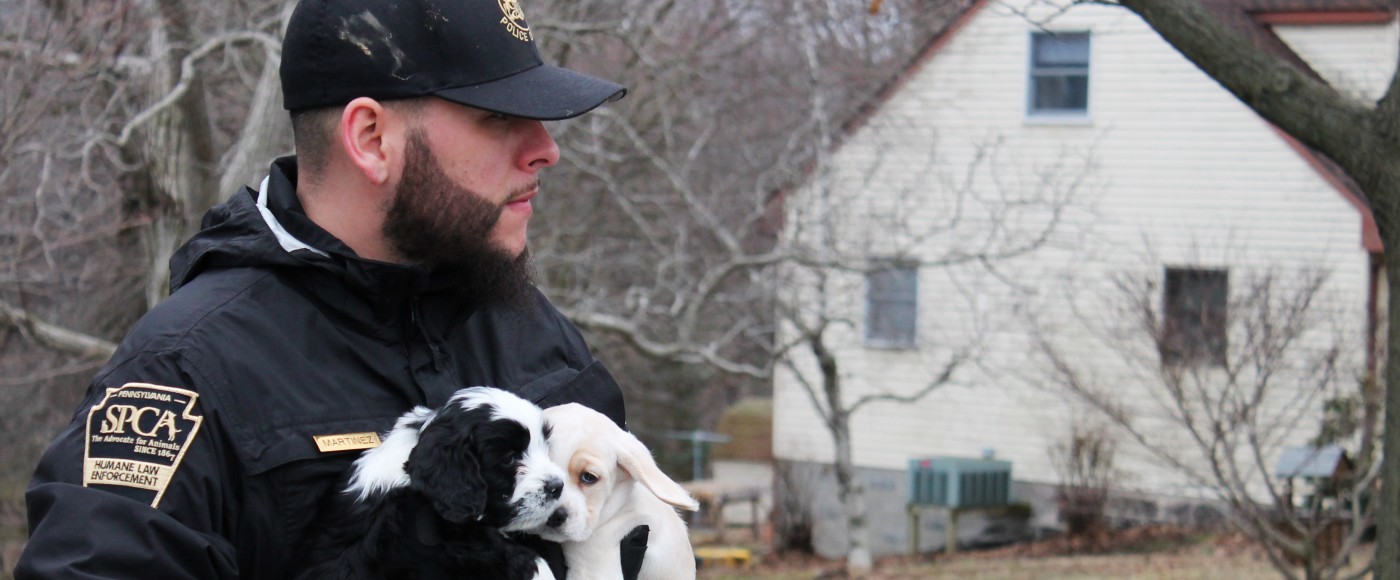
x: 346, y: 442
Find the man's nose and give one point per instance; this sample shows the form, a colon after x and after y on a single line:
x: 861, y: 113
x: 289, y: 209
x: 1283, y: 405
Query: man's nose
x: 539, y: 149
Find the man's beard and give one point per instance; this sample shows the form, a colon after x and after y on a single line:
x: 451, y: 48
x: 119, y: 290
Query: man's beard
x: 435, y: 222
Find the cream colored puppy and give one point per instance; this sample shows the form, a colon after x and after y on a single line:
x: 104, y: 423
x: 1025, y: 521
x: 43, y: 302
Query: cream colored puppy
x: 604, y: 465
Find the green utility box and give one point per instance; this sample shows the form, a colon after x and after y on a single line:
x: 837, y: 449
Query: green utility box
x: 959, y: 483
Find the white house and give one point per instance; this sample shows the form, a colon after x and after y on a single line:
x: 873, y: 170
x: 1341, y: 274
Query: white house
x: 1020, y: 115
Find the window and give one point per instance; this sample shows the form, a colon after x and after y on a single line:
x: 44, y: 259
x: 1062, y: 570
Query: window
x: 891, y: 305
x: 1059, y: 83
x: 1194, y: 312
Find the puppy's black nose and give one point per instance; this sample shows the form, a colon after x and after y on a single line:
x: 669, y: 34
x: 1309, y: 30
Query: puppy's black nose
x: 557, y: 518
x: 554, y: 487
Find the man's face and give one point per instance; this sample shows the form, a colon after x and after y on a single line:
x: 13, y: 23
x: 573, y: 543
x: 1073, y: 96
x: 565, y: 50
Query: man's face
x: 495, y: 157
x: 478, y: 238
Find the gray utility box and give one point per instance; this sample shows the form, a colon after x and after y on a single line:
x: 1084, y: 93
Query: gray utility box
x: 959, y: 483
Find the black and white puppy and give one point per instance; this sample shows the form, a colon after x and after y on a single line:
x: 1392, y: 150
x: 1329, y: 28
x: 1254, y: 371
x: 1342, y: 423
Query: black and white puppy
x: 439, y: 496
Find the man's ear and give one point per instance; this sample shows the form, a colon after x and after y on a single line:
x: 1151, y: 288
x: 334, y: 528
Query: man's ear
x: 370, y: 139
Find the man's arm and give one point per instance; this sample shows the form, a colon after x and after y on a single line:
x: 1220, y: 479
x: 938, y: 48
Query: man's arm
x: 79, y: 532
x: 132, y: 488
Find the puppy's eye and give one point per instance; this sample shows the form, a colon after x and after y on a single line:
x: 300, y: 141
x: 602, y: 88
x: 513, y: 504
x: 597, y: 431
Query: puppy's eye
x: 587, y: 478
x: 508, y: 460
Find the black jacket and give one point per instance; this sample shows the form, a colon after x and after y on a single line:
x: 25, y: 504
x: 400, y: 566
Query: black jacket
x: 212, y: 406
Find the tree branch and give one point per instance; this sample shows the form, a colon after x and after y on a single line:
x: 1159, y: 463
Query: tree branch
x: 1302, y: 105
x: 187, y: 75
x: 53, y: 336
x: 632, y: 333
x: 944, y: 377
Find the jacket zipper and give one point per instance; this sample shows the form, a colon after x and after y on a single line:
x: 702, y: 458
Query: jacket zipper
x: 417, y: 322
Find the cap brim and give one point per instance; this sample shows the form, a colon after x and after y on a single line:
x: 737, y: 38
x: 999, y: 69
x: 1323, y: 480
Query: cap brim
x: 543, y: 92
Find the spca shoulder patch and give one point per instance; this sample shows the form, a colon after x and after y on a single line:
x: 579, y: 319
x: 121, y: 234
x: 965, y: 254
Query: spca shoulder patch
x: 136, y: 438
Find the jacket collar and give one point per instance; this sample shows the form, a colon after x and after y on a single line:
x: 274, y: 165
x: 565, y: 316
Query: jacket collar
x: 268, y: 227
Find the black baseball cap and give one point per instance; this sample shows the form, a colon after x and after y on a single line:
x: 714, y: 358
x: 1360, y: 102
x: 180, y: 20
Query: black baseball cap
x: 479, y: 53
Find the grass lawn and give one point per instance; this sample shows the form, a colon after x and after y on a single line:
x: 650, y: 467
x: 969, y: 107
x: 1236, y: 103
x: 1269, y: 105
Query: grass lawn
x: 1175, y: 555
x: 1165, y: 554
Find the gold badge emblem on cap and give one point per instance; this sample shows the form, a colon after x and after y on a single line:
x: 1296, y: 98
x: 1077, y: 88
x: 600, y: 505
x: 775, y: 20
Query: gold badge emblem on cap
x: 514, y: 19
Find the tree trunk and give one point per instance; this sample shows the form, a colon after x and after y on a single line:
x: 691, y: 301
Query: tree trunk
x: 261, y: 137
x: 849, y: 490
x: 1387, y: 564
x: 265, y: 128
x: 178, y: 149
x: 852, y: 496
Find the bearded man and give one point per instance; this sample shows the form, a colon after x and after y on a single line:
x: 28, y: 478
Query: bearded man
x: 384, y: 267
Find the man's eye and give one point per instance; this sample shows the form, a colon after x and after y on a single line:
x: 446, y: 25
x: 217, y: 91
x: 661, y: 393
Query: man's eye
x: 587, y: 478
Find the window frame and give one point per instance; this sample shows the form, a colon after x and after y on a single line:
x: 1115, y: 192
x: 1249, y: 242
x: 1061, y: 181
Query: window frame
x: 1035, y: 71
x: 1192, y: 334
x: 895, y: 307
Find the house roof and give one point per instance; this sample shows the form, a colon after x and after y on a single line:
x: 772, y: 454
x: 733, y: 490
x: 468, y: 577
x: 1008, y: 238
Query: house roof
x: 950, y: 28
x: 1312, y: 462
x: 1254, y: 19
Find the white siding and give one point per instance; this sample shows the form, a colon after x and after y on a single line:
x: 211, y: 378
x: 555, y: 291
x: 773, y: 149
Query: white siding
x: 1174, y: 171
x: 1358, y: 59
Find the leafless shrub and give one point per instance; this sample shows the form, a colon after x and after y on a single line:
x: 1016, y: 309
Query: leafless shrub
x: 1084, y: 465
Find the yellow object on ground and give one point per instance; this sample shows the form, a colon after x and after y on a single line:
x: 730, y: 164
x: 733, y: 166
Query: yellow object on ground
x: 709, y: 557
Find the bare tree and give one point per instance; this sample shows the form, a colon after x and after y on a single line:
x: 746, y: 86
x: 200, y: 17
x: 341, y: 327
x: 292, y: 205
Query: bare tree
x: 852, y: 223
x: 678, y: 211
x: 667, y: 238
x: 1221, y: 412
x: 122, y: 122
x: 681, y: 236
x: 131, y: 128
x: 708, y: 241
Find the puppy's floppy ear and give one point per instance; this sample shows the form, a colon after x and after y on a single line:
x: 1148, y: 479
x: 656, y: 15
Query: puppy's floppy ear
x: 443, y: 467
x: 636, y: 460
